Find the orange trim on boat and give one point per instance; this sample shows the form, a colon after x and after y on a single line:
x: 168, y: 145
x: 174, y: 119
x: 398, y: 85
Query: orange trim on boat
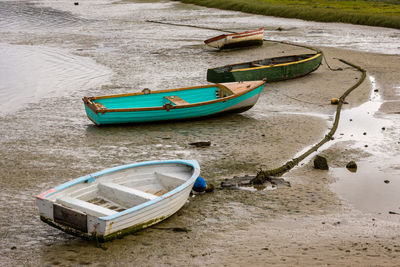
x: 250, y: 86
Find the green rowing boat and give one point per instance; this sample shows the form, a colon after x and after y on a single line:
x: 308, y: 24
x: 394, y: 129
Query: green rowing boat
x: 273, y: 69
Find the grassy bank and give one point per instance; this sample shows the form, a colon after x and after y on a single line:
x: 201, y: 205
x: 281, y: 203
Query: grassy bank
x: 383, y: 13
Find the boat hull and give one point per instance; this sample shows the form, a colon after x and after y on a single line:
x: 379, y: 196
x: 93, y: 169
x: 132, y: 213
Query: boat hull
x: 234, y: 104
x: 104, y: 228
x: 273, y: 72
x: 235, y: 40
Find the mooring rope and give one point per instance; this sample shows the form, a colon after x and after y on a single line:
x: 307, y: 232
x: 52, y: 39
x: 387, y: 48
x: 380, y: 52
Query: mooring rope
x: 188, y: 25
x: 329, y: 136
x: 266, y: 40
x: 290, y: 164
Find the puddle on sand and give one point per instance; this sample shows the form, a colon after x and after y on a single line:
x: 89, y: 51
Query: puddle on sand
x: 370, y: 189
x: 360, y: 125
x: 256, y: 188
x: 375, y: 186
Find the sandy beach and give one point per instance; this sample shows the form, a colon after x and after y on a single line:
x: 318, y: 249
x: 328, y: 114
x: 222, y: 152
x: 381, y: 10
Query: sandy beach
x: 305, y: 224
x: 313, y: 222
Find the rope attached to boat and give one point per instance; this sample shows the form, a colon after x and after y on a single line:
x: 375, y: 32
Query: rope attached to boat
x: 266, y: 40
x: 188, y: 25
x: 292, y: 163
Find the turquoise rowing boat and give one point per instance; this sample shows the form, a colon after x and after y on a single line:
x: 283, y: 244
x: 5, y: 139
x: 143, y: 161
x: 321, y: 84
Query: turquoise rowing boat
x: 173, y: 104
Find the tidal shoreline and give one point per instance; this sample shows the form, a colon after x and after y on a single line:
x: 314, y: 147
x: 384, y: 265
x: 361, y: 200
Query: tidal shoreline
x: 51, y: 141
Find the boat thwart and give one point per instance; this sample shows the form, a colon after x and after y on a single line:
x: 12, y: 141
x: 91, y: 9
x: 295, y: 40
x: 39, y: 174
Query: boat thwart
x: 273, y: 69
x: 233, y: 40
x: 120, y: 200
x: 173, y: 104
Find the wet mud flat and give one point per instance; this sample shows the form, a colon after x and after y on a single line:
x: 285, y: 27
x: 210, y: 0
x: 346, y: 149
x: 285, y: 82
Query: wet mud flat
x: 50, y: 141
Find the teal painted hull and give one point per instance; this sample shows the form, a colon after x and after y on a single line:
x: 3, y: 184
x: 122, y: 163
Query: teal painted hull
x: 201, y: 102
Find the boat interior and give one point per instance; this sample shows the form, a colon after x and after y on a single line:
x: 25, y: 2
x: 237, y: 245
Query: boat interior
x: 173, y: 98
x: 264, y: 62
x: 118, y: 191
x: 155, y: 99
x: 279, y: 60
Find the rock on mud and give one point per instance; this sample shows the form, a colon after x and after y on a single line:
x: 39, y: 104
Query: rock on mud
x: 321, y: 163
x: 352, y: 166
x: 201, y: 144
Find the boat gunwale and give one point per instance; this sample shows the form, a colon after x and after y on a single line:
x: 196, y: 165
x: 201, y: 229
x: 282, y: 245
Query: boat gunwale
x: 93, y: 176
x: 88, y: 100
x: 247, y: 35
x: 274, y: 65
x: 235, y: 35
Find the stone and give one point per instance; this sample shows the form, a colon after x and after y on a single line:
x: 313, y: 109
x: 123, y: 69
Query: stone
x: 201, y: 144
x: 321, y: 163
x: 351, y: 165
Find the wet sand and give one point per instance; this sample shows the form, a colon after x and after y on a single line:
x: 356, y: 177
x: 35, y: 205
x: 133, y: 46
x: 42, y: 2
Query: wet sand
x: 51, y: 141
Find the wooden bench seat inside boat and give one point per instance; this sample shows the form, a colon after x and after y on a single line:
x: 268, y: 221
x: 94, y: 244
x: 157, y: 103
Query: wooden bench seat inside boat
x: 176, y: 100
x: 228, y: 89
x: 84, y: 206
x: 168, y: 182
x: 124, y: 195
x: 224, y: 91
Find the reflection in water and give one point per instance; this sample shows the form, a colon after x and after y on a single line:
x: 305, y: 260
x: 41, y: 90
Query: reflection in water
x: 361, y: 125
x: 367, y: 190
x: 29, y: 73
x: 15, y: 15
x: 367, y: 131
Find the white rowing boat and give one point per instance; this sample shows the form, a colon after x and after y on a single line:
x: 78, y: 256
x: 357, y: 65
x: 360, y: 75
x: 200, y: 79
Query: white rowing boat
x: 121, y: 200
x: 233, y: 40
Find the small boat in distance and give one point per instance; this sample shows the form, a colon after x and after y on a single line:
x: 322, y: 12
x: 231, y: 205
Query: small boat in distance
x: 111, y: 203
x: 173, y: 104
x: 234, y: 40
x: 273, y: 69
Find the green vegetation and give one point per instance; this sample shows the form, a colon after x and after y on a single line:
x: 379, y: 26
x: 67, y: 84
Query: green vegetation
x: 383, y: 13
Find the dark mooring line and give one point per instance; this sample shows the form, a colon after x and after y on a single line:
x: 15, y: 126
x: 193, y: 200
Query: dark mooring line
x: 290, y: 164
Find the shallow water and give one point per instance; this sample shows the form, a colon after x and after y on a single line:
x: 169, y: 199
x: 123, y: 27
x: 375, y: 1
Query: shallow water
x: 53, y: 53
x: 366, y: 188
x: 376, y: 134
x: 30, y: 73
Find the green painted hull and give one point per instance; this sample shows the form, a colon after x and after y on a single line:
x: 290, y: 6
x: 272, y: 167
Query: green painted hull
x: 273, y: 69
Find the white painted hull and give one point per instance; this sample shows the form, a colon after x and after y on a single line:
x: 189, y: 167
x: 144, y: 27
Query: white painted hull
x: 159, y: 189
x: 244, y: 105
x: 237, y: 38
